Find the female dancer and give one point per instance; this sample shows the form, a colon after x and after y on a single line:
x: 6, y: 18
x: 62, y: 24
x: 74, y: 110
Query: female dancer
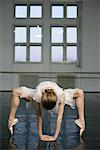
x: 50, y: 95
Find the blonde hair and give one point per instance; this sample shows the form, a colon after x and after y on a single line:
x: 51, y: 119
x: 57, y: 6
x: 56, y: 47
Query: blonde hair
x: 49, y: 99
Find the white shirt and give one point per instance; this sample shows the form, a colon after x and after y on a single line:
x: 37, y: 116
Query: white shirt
x: 25, y: 92
x: 47, y: 85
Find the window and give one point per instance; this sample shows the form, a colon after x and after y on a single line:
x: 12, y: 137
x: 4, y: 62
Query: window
x: 71, y: 53
x: 20, y: 11
x: 23, y: 11
x: 57, y: 53
x: 50, y: 28
x: 20, y: 34
x: 35, y: 34
x: 57, y: 34
x: 71, y: 11
x: 57, y: 11
x: 71, y: 35
x: 64, y: 39
x: 35, y: 53
x: 28, y: 38
x: 35, y: 11
x: 28, y: 48
x: 20, y: 53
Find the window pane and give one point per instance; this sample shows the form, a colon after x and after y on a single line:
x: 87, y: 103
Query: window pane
x: 71, y: 35
x: 35, y: 11
x: 20, y: 34
x: 20, y: 11
x: 71, y: 53
x: 20, y: 53
x: 57, y: 12
x: 56, y: 53
x: 57, y: 34
x: 35, y: 53
x: 71, y: 11
x: 36, y: 34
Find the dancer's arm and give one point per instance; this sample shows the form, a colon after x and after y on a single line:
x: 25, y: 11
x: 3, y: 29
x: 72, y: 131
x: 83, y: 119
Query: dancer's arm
x: 59, y: 118
x: 39, y: 118
x: 58, y: 124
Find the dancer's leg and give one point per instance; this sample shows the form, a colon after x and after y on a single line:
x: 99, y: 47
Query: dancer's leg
x: 14, y: 104
x: 79, y: 101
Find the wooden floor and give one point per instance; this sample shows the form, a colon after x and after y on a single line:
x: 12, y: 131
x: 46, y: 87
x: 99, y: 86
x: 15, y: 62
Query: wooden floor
x: 25, y: 131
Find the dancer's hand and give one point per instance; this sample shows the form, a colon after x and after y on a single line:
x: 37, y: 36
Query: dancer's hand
x: 47, y: 138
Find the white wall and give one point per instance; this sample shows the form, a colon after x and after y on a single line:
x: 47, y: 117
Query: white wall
x: 90, y: 52
x: 99, y: 36
x: 90, y: 46
x: 8, y: 81
x: 90, y: 36
x: 0, y: 35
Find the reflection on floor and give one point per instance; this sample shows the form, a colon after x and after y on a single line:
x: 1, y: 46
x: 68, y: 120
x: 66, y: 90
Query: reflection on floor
x: 25, y: 131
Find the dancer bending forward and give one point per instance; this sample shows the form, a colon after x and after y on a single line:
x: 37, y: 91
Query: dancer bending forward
x: 50, y: 95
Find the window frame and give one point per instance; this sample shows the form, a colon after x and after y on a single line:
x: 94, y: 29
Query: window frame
x: 41, y: 54
x: 27, y: 44
x: 55, y: 26
x: 27, y: 22
x: 51, y: 10
x: 31, y: 4
x: 15, y: 11
x: 14, y: 54
x: 35, y: 43
x: 73, y: 4
x: 21, y: 26
x: 72, y: 22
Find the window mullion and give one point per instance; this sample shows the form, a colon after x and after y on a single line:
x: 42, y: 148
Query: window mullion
x: 64, y: 44
x: 65, y: 10
x: 28, y: 45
